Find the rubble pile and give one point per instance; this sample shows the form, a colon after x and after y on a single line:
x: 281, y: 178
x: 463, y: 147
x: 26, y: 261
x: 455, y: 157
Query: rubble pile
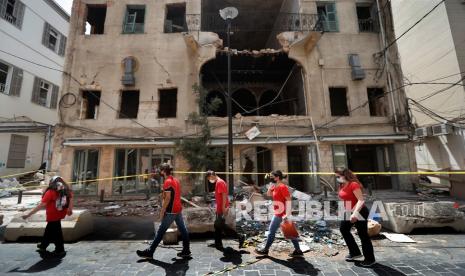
x: 7, y: 185
x: 120, y: 208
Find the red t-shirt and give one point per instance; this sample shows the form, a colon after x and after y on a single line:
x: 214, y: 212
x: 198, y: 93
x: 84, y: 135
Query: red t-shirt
x: 280, y: 192
x: 172, y: 185
x: 220, y: 188
x: 51, y: 211
x: 347, y: 195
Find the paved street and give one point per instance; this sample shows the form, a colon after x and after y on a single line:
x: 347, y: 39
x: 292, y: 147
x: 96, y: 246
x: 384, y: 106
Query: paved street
x: 432, y: 255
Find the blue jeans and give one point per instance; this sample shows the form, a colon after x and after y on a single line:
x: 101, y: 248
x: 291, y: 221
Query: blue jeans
x: 165, y: 224
x: 274, y: 226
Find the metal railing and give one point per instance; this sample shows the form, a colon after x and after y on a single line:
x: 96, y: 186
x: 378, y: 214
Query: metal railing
x: 10, y: 18
x: 255, y: 21
x: 368, y: 25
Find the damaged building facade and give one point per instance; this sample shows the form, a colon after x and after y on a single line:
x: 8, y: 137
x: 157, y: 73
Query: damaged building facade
x: 309, y: 78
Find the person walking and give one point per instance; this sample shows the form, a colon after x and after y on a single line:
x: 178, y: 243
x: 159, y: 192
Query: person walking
x: 350, y: 191
x: 170, y: 211
x: 222, y: 210
x: 57, y: 200
x: 281, y: 202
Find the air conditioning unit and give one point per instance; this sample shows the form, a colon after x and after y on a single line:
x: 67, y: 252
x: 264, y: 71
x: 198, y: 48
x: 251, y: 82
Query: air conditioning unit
x: 423, y: 132
x: 358, y: 73
x: 441, y: 129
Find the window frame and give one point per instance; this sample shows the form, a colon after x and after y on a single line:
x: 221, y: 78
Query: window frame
x: 9, y: 76
x: 135, y: 30
x: 347, y: 101
x: 85, y: 181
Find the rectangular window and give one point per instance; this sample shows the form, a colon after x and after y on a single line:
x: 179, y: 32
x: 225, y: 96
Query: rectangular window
x: 328, y: 16
x: 12, y: 11
x: 338, y: 101
x: 90, y: 104
x: 11, y: 79
x: 175, y: 20
x: 45, y: 93
x: 129, y: 104
x: 95, y: 21
x: 5, y: 78
x: 53, y: 39
x: 132, y: 162
x: 168, y: 103
x: 134, y: 20
x: 17, y: 151
x: 377, y: 102
x: 367, y: 18
x: 85, y: 170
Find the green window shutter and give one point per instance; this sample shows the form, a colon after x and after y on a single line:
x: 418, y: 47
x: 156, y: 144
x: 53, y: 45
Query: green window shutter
x: 331, y: 18
x: 18, y: 13
x: 35, y: 90
x: 62, y: 48
x: 46, y: 34
x: 54, y: 99
x: 16, y: 82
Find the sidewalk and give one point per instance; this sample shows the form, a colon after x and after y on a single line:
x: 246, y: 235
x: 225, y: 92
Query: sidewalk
x: 432, y: 255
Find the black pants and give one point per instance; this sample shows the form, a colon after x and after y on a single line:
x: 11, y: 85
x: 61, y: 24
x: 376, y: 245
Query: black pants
x: 53, y: 234
x: 362, y: 229
x: 220, y: 228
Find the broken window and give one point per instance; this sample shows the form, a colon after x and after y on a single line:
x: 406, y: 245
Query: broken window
x: 17, y: 151
x: 85, y: 170
x: 215, y: 104
x: 367, y: 18
x: 168, y: 103
x: 254, y: 162
x: 132, y: 162
x: 95, y: 22
x: 244, y: 99
x: 91, y: 103
x: 134, y: 20
x: 4, y: 77
x: 327, y: 15
x: 53, y: 39
x: 12, y: 11
x: 45, y: 93
x: 175, y: 20
x: 338, y: 101
x: 129, y: 104
x: 376, y: 102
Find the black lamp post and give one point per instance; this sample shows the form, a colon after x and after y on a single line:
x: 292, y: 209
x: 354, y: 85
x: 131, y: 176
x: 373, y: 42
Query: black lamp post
x: 229, y: 14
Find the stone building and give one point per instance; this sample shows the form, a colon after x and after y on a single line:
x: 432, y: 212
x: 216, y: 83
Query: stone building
x: 309, y: 75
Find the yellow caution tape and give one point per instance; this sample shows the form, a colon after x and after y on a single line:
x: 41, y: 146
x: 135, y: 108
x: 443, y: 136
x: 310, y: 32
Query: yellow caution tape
x: 242, y: 173
x: 11, y: 175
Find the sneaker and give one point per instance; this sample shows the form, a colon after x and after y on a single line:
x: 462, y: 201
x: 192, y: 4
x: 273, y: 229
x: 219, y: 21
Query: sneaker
x: 40, y: 249
x: 184, y: 253
x: 367, y: 263
x: 146, y: 254
x: 296, y: 253
x: 261, y: 251
x: 350, y: 258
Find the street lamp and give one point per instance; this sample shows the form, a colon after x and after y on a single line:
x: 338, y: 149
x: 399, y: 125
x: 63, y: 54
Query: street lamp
x: 229, y: 14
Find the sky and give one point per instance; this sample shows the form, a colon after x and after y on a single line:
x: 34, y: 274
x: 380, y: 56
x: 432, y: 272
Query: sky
x: 65, y: 4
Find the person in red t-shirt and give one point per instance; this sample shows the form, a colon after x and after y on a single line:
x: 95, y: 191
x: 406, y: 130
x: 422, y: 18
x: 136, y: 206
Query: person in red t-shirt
x: 222, y: 210
x: 57, y: 201
x: 350, y: 191
x: 281, y: 203
x: 170, y: 211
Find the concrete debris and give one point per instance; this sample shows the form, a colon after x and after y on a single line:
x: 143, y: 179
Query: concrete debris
x: 112, y: 207
x: 9, y: 183
x: 398, y: 238
x: 120, y: 208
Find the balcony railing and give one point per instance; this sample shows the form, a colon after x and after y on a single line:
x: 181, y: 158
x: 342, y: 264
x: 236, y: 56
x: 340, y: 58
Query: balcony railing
x: 368, y: 25
x: 255, y: 21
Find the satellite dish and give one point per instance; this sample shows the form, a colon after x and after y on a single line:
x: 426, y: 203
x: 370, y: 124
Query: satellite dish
x: 229, y: 13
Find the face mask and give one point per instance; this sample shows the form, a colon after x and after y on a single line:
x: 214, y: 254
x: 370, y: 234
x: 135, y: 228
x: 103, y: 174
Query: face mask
x: 340, y: 180
x: 212, y: 181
